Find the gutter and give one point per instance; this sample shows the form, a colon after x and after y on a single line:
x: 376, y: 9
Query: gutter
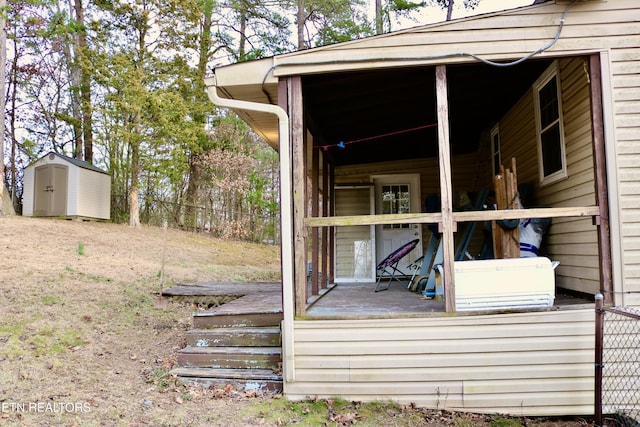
x: 286, y: 214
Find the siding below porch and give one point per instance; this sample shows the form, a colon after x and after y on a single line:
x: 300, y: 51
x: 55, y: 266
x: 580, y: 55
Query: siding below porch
x: 523, y: 364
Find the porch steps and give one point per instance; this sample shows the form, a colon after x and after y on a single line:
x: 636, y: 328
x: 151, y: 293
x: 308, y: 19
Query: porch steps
x: 237, y: 344
x: 230, y: 357
x: 236, y: 336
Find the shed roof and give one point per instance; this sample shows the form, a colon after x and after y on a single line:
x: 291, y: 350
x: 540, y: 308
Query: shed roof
x: 75, y: 162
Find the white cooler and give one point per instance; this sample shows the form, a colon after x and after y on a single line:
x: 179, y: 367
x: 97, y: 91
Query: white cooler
x: 499, y: 284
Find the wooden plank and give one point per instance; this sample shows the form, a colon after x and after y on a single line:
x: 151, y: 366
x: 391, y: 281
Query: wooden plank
x: 434, y: 218
x: 230, y: 357
x: 245, y: 374
x: 234, y: 337
x: 298, y: 135
x: 315, y: 210
x: 600, y: 176
x: 446, y: 202
x: 326, y: 271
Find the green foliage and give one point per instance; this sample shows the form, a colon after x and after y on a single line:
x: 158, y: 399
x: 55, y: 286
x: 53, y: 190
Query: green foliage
x: 500, y: 421
x: 80, y: 249
x: 334, y: 411
x: 19, y: 339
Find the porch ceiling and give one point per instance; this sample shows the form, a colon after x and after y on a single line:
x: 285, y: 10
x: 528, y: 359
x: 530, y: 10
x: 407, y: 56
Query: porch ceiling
x: 390, y: 114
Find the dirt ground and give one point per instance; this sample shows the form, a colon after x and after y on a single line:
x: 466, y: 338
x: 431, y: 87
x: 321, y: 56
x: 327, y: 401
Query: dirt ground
x: 85, y: 340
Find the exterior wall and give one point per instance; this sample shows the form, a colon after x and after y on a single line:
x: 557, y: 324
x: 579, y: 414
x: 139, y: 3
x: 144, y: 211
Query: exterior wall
x: 526, y: 364
x: 27, y: 194
x: 572, y: 241
x: 94, y: 194
x: 625, y: 93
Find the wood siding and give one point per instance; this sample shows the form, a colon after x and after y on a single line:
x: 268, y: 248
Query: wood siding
x: 527, y: 363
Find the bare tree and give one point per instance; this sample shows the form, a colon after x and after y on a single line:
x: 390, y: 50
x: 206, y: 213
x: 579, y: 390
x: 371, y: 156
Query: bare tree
x: 3, y: 61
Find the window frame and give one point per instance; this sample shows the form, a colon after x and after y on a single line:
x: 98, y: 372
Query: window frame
x: 495, y: 149
x: 550, y: 73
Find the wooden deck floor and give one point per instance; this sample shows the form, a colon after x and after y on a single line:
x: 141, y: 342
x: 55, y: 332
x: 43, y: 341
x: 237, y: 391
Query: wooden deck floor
x: 348, y: 300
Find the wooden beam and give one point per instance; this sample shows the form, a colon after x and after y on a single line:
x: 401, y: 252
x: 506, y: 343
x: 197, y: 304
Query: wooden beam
x: 600, y: 177
x: 332, y: 212
x: 315, y: 210
x: 444, y: 163
x: 464, y: 216
x: 296, y: 115
x: 325, y: 213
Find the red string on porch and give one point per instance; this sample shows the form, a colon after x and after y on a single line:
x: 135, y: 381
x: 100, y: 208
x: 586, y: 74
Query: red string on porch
x: 343, y: 144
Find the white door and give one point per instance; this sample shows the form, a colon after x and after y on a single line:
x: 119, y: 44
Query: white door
x: 397, y: 194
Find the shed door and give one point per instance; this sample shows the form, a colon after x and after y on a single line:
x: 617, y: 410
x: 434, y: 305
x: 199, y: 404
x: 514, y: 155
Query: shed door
x: 50, y: 193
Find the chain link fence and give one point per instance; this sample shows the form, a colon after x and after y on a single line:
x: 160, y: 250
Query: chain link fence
x: 617, y: 366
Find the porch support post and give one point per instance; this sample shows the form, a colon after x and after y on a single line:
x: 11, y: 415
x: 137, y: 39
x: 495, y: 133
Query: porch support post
x: 325, y: 212
x: 315, y: 209
x: 296, y: 114
x: 600, y: 176
x: 444, y: 163
x: 332, y: 212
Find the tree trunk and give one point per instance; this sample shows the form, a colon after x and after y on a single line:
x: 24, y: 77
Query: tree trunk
x: 134, y: 205
x: 379, y: 17
x: 449, y: 10
x: 191, y: 212
x: 300, y: 25
x: 3, y: 62
x: 85, y: 84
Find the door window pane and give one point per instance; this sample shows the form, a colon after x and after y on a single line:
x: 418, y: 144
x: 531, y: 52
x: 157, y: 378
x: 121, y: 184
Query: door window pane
x: 396, y: 200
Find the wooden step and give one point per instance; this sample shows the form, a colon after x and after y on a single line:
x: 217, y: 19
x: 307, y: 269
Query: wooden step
x: 234, y: 337
x: 230, y: 357
x: 206, y: 320
x: 259, y: 380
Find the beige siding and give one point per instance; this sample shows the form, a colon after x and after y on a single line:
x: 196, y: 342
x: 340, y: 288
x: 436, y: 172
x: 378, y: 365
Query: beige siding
x: 527, y: 364
x: 572, y: 241
x: 352, y: 201
x: 506, y: 35
x: 625, y: 68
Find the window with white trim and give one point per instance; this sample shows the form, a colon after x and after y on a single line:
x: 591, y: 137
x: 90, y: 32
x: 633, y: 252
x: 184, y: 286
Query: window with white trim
x: 549, y: 126
x: 495, y: 149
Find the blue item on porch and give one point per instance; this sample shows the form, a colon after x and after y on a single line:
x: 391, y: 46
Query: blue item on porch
x: 389, y: 265
x: 429, y: 287
x: 423, y: 265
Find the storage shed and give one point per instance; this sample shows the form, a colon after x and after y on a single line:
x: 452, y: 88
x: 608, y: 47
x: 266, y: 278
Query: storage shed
x: 57, y: 185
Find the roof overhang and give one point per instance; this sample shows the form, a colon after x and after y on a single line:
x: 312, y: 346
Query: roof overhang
x: 385, y: 83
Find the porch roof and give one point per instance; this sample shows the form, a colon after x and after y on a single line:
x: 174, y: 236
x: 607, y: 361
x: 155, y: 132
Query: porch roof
x: 381, y: 89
